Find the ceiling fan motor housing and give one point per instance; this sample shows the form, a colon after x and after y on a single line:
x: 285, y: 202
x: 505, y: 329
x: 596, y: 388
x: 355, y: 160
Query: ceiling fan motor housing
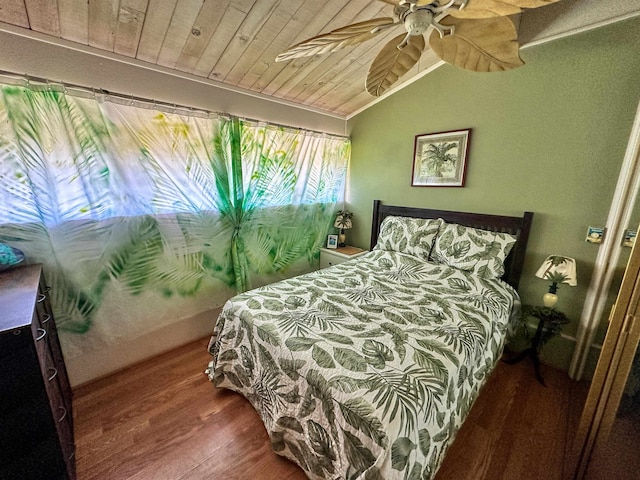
x: 418, y: 21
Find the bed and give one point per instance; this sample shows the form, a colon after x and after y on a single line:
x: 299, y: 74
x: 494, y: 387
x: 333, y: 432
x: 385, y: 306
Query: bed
x: 367, y: 369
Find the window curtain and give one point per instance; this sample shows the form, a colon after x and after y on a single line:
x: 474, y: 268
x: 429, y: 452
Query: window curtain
x: 143, y: 217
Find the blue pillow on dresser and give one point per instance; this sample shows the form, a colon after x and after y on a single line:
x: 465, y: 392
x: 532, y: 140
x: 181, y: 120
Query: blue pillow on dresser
x: 9, y: 256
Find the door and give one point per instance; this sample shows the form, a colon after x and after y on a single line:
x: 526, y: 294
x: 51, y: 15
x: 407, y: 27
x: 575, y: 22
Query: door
x: 617, y: 457
x: 607, y: 442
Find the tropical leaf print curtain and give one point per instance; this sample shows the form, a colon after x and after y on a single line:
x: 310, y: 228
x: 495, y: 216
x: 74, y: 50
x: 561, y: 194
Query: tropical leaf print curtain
x: 143, y: 217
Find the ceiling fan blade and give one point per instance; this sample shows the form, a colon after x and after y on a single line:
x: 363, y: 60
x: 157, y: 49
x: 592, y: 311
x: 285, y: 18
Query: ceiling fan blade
x: 482, y: 45
x: 392, y: 62
x: 337, y: 39
x: 496, y: 8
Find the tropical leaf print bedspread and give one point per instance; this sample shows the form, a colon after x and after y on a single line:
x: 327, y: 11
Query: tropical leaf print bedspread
x: 364, y: 370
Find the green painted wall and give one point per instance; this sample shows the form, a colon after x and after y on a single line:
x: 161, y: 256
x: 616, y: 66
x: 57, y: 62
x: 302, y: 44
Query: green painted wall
x: 548, y: 137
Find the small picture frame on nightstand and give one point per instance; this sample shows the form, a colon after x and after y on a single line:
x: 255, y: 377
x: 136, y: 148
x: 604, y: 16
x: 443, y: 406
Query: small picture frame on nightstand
x: 332, y: 241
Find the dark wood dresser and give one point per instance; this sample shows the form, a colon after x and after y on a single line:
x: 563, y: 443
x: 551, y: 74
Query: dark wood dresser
x: 36, y: 421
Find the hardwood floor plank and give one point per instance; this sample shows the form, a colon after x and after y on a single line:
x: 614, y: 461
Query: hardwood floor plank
x: 206, y: 23
x: 74, y: 20
x: 486, y: 424
x: 163, y: 419
x: 43, y: 16
x: 156, y: 23
x: 578, y: 394
x: 275, y: 80
x: 179, y: 31
x: 103, y: 18
x: 129, y: 28
x: 14, y: 11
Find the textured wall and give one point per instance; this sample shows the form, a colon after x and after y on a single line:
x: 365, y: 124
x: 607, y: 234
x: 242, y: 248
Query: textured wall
x: 548, y: 137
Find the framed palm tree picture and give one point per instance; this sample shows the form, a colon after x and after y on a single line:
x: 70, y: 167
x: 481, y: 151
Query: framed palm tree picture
x: 440, y: 159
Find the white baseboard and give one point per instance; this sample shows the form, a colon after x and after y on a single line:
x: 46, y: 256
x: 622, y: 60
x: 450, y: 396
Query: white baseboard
x: 96, y: 364
x: 559, y: 350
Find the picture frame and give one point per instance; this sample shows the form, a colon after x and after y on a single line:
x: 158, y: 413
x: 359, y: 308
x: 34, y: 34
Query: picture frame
x: 440, y: 159
x: 332, y: 241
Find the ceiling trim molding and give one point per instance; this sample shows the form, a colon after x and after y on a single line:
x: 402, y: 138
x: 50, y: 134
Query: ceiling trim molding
x: 86, y: 49
x: 582, y: 29
x: 134, y: 62
x: 533, y: 43
x: 388, y: 93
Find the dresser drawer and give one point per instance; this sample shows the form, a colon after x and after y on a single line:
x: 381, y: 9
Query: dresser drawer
x: 14, y: 341
x: 59, y: 404
x: 36, y: 420
x: 42, y: 462
x: 330, y: 257
x: 24, y: 426
x: 16, y: 382
x: 44, y: 318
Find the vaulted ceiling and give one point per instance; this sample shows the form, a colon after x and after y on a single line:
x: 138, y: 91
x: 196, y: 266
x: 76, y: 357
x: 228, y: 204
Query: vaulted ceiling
x: 235, y: 42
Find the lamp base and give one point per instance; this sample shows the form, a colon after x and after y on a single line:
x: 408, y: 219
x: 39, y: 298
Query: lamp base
x: 549, y: 300
x: 342, y: 239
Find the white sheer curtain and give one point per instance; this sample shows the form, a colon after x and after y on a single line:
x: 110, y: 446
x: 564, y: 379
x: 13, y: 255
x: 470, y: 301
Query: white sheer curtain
x: 144, y: 217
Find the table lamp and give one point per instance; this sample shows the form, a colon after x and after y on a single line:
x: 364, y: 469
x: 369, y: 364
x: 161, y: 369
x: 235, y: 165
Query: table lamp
x: 557, y: 269
x: 343, y: 222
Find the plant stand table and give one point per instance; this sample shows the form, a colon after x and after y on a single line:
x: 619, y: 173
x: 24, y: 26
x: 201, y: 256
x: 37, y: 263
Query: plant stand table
x: 550, y: 323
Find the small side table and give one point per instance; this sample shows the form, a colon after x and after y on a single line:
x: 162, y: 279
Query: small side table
x: 334, y: 256
x: 550, y: 322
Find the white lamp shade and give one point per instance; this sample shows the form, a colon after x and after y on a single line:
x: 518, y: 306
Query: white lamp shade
x: 558, y: 266
x: 342, y: 222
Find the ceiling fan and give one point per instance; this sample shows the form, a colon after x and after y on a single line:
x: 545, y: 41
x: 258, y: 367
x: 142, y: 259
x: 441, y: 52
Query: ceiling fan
x: 475, y: 35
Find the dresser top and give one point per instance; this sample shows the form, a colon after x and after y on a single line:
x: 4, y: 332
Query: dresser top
x: 18, y: 294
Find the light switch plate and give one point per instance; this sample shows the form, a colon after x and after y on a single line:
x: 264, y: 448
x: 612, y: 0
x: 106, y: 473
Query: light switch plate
x: 594, y: 235
x: 629, y: 238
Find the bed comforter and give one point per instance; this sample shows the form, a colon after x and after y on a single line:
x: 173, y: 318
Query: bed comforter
x: 367, y: 369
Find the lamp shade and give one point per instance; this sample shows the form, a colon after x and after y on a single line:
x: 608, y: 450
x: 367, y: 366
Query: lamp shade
x: 558, y: 269
x: 343, y: 220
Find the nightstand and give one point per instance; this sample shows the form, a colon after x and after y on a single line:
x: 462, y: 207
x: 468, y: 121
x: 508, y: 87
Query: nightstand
x: 550, y: 322
x: 334, y: 256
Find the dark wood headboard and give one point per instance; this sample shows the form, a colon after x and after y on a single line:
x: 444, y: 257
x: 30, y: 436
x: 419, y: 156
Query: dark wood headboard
x: 518, y: 226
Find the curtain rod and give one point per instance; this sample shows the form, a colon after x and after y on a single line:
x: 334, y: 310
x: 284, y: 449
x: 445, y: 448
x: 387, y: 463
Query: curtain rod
x: 28, y: 81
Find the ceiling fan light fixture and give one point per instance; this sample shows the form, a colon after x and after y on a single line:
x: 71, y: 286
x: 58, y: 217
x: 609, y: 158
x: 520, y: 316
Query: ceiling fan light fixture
x: 418, y: 21
x: 476, y: 35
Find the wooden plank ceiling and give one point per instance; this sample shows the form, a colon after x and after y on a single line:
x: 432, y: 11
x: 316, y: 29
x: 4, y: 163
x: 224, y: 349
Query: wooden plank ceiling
x: 230, y: 41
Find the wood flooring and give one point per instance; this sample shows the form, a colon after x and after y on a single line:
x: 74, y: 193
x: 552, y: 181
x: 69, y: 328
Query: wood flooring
x: 163, y: 420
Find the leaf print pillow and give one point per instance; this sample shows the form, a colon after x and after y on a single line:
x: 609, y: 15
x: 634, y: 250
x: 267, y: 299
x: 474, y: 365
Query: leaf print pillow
x: 478, y: 251
x: 413, y: 236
